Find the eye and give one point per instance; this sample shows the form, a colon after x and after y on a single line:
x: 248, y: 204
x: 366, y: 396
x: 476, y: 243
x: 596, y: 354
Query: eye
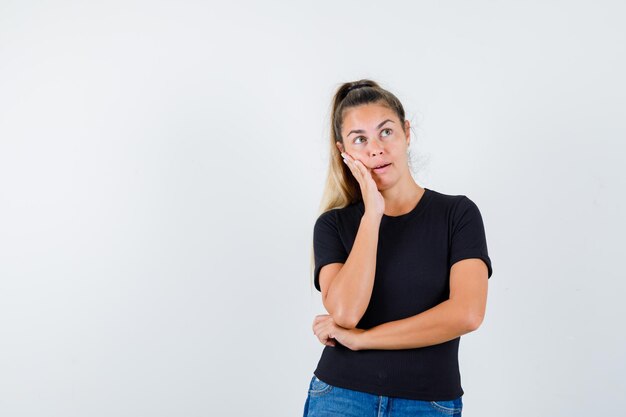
x: 357, y: 138
x: 385, y: 130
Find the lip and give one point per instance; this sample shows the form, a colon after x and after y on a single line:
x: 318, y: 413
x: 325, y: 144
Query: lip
x: 381, y: 170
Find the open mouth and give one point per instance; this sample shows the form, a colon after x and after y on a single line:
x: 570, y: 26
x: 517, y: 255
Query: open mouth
x: 380, y: 168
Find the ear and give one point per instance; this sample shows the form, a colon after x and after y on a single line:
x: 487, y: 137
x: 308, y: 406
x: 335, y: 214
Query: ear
x: 340, y: 146
x: 407, y: 132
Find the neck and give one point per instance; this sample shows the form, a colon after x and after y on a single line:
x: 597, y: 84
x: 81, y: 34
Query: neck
x: 402, y: 198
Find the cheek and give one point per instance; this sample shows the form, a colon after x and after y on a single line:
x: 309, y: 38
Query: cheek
x: 356, y: 151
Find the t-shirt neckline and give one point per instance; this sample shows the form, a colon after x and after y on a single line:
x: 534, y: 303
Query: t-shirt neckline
x: 414, y: 211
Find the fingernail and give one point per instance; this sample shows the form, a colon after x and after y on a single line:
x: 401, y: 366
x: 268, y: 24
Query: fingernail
x: 345, y: 161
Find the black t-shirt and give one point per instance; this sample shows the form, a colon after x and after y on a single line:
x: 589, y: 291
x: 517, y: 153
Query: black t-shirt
x: 414, y: 255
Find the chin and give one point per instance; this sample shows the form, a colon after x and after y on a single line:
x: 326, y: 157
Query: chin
x: 387, y: 180
x: 383, y: 185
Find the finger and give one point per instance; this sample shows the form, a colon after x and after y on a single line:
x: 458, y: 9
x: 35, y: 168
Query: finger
x: 363, y: 170
x: 321, y: 318
x: 319, y: 329
x: 348, y: 161
x: 322, y: 332
x: 315, y: 321
x: 323, y: 338
x: 322, y: 329
x: 349, y: 157
x: 326, y: 339
x: 354, y: 169
x: 362, y: 173
x: 359, y: 165
x: 315, y: 326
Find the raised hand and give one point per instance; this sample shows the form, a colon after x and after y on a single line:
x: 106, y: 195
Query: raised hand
x: 372, y: 198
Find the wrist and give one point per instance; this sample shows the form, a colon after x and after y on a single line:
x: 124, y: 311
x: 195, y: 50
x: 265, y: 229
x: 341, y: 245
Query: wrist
x: 362, y: 340
x: 372, y: 218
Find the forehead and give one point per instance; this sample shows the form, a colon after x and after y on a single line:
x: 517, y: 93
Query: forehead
x: 366, y: 116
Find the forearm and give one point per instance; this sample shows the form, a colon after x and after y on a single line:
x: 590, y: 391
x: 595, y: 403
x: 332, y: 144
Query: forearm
x: 444, y: 322
x: 350, y: 291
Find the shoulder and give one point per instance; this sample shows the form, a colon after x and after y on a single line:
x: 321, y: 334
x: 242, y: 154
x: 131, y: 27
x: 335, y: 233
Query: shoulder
x: 339, y: 215
x: 455, y: 208
x: 451, y: 202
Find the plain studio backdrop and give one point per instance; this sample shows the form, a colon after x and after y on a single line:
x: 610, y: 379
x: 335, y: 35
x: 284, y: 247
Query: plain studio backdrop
x: 161, y: 169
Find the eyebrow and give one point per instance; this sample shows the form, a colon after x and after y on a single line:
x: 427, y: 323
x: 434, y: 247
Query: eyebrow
x: 363, y: 131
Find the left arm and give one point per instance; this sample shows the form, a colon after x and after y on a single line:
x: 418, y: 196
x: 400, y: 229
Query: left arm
x: 462, y: 313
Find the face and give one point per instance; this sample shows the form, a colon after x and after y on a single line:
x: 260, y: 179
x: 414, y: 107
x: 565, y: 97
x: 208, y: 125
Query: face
x: 372, y: 133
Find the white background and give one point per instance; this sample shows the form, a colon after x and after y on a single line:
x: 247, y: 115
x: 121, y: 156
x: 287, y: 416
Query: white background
x: 162, y: 163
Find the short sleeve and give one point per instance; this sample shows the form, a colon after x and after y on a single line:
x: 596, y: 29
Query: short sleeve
x: 468, y: 234
x: 327, y: 244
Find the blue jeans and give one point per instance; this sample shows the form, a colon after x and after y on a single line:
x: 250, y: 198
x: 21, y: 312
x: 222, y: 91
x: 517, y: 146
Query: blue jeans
x: 325, y: 400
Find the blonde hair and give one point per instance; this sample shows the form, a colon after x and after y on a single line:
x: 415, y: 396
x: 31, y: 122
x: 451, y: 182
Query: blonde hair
x: 341, y: 188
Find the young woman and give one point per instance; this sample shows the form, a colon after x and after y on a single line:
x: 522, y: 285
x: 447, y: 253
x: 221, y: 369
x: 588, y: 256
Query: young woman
x: 402, y: 271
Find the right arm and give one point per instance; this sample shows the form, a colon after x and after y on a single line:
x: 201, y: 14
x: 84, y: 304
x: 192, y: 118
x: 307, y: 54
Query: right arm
x: 347, y: 288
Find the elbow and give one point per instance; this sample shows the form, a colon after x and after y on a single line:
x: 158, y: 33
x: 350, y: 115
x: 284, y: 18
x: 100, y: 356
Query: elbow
x: 347, y: 321
x: 469, y: 317
x: 473, y: 321
x: 343, y: 317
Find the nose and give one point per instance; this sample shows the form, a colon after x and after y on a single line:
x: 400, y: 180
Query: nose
x: 374, y: 148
